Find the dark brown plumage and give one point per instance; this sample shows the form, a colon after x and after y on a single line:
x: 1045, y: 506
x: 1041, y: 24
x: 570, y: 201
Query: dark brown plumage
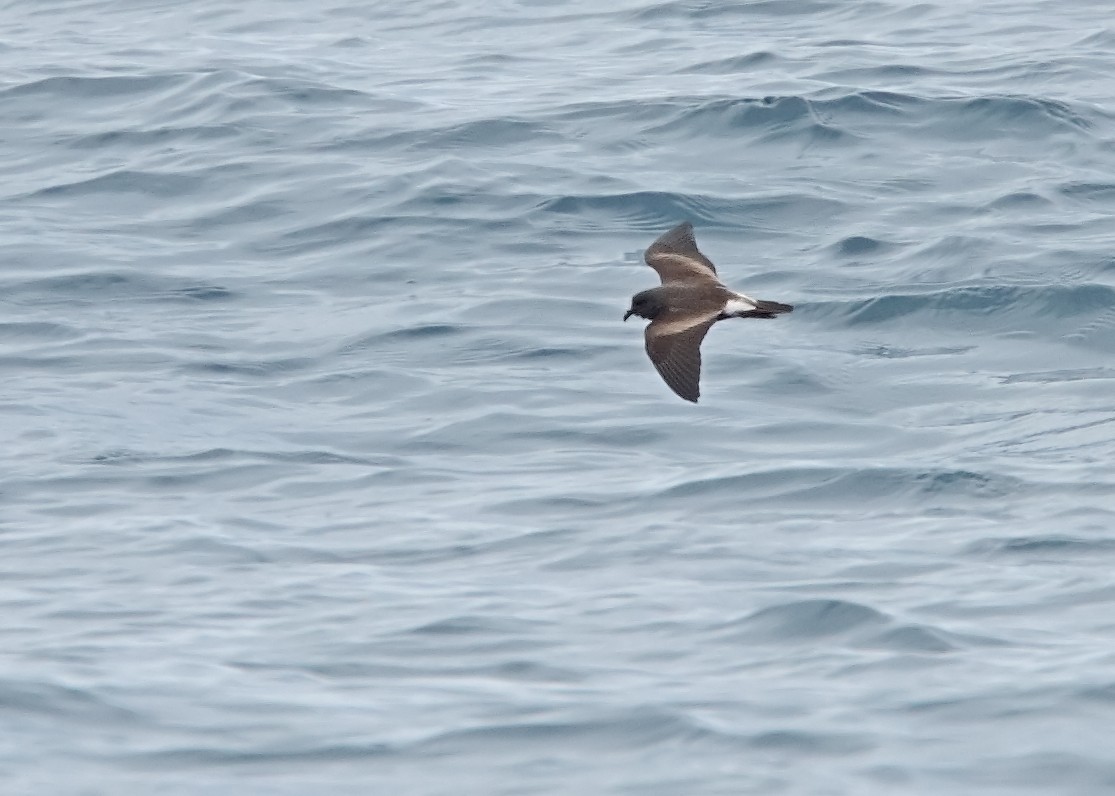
x: 689, y: 301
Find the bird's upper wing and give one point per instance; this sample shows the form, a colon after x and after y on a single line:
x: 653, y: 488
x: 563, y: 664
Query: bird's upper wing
x: 675, y: 257
x: 674, y: 346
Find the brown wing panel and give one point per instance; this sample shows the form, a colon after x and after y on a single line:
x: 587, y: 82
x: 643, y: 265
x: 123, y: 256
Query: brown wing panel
x: 675, y: 256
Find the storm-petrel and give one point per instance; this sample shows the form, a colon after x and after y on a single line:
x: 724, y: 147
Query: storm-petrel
x: 690, y: 300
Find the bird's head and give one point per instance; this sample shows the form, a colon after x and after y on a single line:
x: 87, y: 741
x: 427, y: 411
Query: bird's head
x: 646, y: 305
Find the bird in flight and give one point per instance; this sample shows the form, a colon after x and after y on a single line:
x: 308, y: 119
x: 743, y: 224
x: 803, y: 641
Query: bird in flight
x: 681, y: 310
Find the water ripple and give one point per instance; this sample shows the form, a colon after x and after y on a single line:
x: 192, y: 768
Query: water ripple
x: 329, y: 459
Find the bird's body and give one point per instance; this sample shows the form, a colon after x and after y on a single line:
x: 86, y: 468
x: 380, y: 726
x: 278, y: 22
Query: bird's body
x: 684, y: 307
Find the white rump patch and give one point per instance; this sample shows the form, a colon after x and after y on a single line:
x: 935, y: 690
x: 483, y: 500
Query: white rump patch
x: 739, y: 304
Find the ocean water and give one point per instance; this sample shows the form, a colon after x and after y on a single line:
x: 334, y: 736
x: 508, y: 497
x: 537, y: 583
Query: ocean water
x: 331, y: 468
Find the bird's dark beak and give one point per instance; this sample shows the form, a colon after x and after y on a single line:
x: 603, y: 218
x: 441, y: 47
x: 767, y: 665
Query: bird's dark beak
x: 628, y: 314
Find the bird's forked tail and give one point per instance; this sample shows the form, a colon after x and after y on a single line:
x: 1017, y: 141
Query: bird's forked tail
x: 766, y: 309
x: 773, y: 307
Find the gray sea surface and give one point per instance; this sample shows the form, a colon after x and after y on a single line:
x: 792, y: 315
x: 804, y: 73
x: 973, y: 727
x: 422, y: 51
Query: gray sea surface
x: 330, y: 468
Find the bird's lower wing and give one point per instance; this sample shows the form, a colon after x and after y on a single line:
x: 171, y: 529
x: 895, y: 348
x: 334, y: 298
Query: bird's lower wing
x: 674, y: 347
